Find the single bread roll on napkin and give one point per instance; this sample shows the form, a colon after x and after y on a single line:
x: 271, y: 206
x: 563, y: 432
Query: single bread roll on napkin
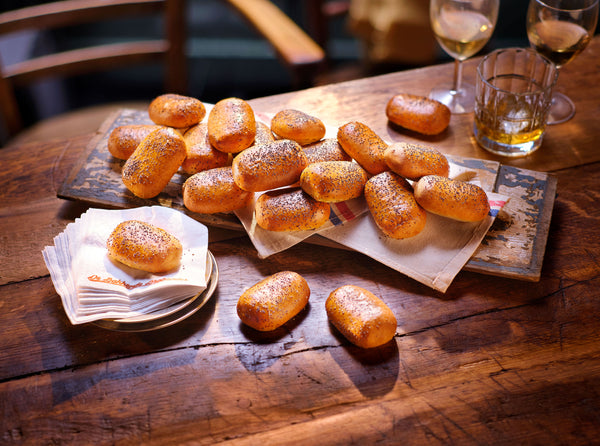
x: 92, y: 286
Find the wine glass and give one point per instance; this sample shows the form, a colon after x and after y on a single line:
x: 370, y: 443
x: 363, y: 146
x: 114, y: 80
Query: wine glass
x: 560, y: 30
x: 462, y: 28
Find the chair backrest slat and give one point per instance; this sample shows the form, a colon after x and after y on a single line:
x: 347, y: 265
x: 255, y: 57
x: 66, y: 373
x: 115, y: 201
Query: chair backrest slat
x: 74, y: 12
x: 85, y: 60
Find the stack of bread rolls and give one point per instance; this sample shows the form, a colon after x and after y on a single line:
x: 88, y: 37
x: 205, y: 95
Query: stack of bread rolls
x: 230, y: 157
x: 297, y: 173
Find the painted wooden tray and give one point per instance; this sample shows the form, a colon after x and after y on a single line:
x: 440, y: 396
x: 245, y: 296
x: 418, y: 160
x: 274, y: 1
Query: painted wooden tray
x: 514, y: 247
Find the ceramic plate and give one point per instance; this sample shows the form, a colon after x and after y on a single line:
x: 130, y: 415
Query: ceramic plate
x: 170, y: 315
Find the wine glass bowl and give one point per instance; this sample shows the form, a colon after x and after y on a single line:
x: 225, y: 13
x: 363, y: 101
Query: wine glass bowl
x: 462, y: 28
x: 560, y: 30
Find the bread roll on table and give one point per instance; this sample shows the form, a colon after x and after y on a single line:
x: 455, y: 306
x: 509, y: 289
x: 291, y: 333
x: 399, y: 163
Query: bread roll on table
x: 174, y: 110
x: 414, y: 161
x: 150, y: 168
x: 143, y: 246
x: 123, y: 140
x: 451, y: 198
x: 273, y: 301
x: 269, y: 166
x: 333, y: 181
x: 393, y: 206
x: 213, y: 191
x: 290, y: 209
x: 297, y: 126
x: 364, y: 145
x: 418, y: 113
x: 363, y: 318
x: 231, y: 125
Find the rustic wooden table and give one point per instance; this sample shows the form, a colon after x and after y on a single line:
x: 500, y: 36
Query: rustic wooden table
x: 491, y: 361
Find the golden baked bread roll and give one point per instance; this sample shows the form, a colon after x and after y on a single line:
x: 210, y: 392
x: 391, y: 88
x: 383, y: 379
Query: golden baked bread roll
x: 231, y: 125
x: 333, y: 181
x: 273, y: 301
x: 418, y: 113
x: 150, y: 168
x: 269, y: 166
x: 328, y: 149
x: 450, y: 198
x: 297, y: 126
x: 364, y: 145
x: 414, y: 161
x: 290, y: 209
x: 143, y: 246
x: 393, y: 206
x: 123, y: 140
x: 212, y: 191
x: 264, y: 134
x: 200, y: 154
x: 174, y: 110
x: 363, y: 318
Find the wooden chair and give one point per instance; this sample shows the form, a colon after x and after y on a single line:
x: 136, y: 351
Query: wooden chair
x: 299, y: 52
x: 56, y: 15
x: 295, y: 48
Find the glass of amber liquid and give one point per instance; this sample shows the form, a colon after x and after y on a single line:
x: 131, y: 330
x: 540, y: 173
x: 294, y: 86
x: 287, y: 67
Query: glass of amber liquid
x: 513, y: 94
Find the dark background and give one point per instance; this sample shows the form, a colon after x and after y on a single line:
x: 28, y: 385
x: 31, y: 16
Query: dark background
x: 226, y: 57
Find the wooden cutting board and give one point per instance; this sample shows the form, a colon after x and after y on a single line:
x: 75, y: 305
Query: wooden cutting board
x: 514, y: 247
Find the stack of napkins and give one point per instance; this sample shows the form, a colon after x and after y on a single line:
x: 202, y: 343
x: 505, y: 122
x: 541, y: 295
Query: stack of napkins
x: 92, y: 286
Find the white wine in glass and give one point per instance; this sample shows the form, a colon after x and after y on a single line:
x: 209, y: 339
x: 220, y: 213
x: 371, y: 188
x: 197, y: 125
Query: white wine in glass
x: 462, y: 28
x: 560, y: 30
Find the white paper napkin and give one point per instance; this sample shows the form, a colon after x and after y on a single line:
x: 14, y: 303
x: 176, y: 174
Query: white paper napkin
x: 92, y: 286
x: 268, y: 242
x: 433, y: 257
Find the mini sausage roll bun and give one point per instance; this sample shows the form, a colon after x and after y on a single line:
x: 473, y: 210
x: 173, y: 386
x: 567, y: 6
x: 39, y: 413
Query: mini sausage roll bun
x: 150, y: 168
x: 414, y: 161
x: 174, y: 110
x: 264, y: 134
x: 231, y: 125
x: 290, y: 209
x: 363, y: 318
x: 200, y: 154
x: 328, y: 149
x: 364, y: 145
x: 393, y: 206
x: 298, y: 126
x: 450, y: 198
x: 418, y: 113
x: 333, y: 181
x: 269, y: 166
x: 213, y: 191
x: 123, y: 140
x: 273, y: 301
x: 143, y: 246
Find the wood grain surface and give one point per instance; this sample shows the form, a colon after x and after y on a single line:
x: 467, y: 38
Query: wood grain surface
x: 492, y: 361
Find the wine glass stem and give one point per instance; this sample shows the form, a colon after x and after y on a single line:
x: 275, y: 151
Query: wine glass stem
x: 458, y: 68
